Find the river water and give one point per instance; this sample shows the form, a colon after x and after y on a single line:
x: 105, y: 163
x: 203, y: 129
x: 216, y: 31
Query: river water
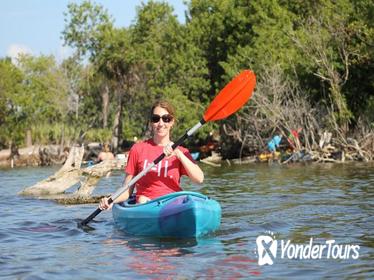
x: 294, y: 205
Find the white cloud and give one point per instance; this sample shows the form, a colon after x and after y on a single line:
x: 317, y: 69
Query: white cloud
x: 15, y: 50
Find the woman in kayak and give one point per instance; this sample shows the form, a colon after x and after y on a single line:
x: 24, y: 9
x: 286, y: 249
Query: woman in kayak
x: 163, y: 178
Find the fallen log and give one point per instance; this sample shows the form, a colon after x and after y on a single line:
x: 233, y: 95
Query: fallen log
x: 71, y: 174
x: 214, y: 160
x: 244, y: 160
x: 92, y: 176
x: 67, y: 176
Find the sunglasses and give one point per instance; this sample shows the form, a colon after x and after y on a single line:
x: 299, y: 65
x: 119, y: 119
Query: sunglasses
x: 165, y: 118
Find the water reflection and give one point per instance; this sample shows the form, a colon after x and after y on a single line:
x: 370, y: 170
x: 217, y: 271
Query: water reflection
x: 164, y: 257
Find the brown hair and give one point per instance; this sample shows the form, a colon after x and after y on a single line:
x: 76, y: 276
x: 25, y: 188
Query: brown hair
x: 165, y: 105
x: 106, y: 148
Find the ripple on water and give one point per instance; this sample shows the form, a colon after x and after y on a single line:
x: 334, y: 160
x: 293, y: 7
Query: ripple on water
x: 296, y: 203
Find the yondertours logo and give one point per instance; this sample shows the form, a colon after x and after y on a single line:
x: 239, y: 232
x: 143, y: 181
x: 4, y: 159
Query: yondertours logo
x: 269, y: 248
x: 266, y: 249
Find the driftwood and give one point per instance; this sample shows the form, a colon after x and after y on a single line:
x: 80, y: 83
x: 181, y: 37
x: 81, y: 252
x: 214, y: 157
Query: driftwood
x: 332, y: 150
x: 213, y: 160
x: 349, y: 149
x: 69, y: 175
x: 243, y: 160
x: 93, y: 174
x: 63, y: 179
x: 329, y: 149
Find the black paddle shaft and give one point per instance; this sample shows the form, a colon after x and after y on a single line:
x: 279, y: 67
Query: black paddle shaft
x: 94, y: 214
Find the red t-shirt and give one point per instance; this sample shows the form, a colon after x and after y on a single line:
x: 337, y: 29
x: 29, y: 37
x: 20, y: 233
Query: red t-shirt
x: 163, y: 178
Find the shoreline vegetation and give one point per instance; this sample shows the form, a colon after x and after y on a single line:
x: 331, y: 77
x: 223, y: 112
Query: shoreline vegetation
x: 329, y: 150
x: 81, y: 169
x: 314, y: 67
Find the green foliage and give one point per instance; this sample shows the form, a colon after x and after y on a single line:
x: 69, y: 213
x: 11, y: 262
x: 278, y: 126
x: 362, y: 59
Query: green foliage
x: 44, y: 96
x: 332, y: 43
x: 369, y: 111
x: 219, y: 28
x: 173, y: 67
x: 47, y: 133
x: 115, y: 75
x: 85, y: 25
x: 98, y: 135
x: 10, y: 116
x: 35, y: 93
x: 188, y: 113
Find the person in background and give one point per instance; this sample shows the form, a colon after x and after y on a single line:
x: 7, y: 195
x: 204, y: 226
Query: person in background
x: 274, y: 143
x: 105, y: 154
x: 164, y: 178
x: 293, y: 139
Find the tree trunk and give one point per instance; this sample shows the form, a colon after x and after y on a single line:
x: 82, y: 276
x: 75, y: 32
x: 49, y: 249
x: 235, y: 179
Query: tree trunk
x: 105, y: 104
x: 341, y: 104
x: 117, y: 125
x: 28, y: 138
x: 71, y: 174
x: 62, y: 139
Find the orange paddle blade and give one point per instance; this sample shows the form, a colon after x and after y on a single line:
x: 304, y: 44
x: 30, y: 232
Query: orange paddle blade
x: 232, y: 97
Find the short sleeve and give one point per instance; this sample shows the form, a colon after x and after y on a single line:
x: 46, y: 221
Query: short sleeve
x: 188, y: 155
x: 131, y: 166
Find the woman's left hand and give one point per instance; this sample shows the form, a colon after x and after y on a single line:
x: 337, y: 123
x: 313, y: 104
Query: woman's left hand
x: 168, y: 151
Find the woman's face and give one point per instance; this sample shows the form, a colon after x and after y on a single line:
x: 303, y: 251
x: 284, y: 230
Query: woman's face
x: 161, y: 122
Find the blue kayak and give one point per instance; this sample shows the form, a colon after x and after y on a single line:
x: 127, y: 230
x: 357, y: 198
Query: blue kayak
x: 179, y: 214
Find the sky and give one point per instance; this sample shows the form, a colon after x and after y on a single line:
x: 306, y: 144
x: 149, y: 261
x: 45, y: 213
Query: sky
x: 35, y: 26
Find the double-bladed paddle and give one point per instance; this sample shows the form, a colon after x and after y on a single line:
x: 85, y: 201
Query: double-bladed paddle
x: 229, y: 100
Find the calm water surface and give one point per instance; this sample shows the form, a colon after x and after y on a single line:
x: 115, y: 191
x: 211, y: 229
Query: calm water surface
x: 39, y: 239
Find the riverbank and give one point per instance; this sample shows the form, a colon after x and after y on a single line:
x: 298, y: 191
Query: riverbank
x: 327, y: 149
x: 51, y: 155
x: 48, y: 155
x: 38, y: 155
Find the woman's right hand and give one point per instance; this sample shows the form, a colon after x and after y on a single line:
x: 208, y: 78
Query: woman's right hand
x: 104, y: 205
